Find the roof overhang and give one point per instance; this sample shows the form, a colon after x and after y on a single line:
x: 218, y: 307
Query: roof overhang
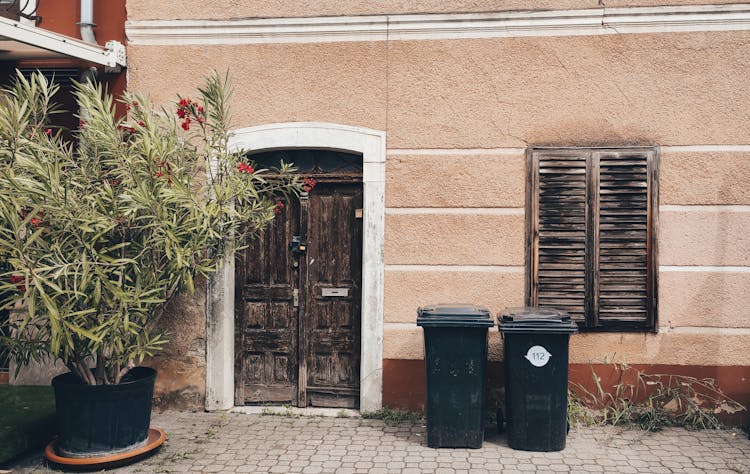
x: 24, y: 42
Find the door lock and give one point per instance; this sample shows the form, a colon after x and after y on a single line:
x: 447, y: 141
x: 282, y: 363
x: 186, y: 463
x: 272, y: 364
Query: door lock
x: 297, y: 247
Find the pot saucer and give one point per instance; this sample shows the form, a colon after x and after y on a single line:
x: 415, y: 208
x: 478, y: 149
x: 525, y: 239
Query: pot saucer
x: 156, y: 437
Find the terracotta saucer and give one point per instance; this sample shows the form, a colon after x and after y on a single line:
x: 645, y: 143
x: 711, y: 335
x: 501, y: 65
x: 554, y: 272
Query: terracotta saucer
x: 156, y: 437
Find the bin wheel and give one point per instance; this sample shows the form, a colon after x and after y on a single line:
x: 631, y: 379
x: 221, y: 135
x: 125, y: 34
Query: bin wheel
x: 500, y: 421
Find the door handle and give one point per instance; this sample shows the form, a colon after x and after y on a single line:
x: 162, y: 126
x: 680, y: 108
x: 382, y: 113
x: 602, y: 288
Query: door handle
x: 297, y: 247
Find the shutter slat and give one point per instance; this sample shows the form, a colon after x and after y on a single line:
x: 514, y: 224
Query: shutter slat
x: 623, y: 233
x: 561, y: 226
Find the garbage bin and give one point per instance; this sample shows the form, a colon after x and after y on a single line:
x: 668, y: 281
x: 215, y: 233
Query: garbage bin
x: 536, y: 377
x: 455, y: 343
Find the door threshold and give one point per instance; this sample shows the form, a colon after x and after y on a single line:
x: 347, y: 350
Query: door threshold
x: 286, y: 410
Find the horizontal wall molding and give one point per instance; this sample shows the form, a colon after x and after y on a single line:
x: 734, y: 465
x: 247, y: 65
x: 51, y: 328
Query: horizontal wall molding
x: 704, y: 208
x: 522, y: 269
x: 687, y: 330
x: 706, y: 149
x: 483, y: 211
x: 457, y: 151
x: 520, y: 211
x: 595, y: 21
x: 705, y: 331
x: 401, y: 326
x: 739, y: 148
x: 457, y: 268
x: 703, y: 269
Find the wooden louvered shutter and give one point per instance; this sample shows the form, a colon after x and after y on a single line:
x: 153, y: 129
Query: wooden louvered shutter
x: 624, y: 274
x: 591, y: 235
x: 559, y: 239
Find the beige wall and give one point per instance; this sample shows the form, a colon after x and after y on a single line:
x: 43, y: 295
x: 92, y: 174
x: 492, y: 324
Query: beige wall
x: 221, y: 9
x: 666, y: 89
x: 458, y: 115
x: 343, y: 84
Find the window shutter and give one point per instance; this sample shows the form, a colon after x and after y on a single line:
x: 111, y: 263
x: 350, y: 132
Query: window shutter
x: 559, y: 236
x: 623, y: 292
x: 591, y: 230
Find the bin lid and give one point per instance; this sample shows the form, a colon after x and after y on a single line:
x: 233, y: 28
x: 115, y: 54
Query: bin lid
x: 536, y: 319
x: 454, y: 315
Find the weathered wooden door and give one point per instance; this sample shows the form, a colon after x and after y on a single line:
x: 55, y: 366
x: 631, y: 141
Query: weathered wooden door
x: 298, y: 313
x: 330, y: 326
x: 266, y: 341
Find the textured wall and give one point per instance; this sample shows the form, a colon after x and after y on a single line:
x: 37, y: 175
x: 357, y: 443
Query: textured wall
x: 458, y: 116
x: 181, y: 379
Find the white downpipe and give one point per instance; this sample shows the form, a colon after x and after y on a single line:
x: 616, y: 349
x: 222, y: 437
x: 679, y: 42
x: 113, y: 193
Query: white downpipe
x: 87, y: 21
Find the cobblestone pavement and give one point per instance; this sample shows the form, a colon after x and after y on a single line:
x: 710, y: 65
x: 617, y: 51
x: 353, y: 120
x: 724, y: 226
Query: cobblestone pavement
x: 233, y: 442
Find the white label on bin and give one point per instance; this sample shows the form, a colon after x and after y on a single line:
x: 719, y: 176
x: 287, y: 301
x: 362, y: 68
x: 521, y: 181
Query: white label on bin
x: 538, y: 356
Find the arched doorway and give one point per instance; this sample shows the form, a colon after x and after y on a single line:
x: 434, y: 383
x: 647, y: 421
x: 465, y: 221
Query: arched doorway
x: 298, y: 289
x: 220, y: 347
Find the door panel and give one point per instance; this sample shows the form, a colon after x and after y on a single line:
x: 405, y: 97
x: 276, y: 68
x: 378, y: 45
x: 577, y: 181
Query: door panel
x: 266, y: 367
x: 332, y: 323
x: 306, y: 354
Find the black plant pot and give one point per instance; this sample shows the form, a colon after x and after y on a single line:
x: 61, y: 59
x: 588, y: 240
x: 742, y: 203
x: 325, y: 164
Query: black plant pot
x: 102, y: 420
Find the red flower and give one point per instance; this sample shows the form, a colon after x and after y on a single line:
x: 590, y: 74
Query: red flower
x: 48, y: 132
x: 115, y: 182
x: 19, y: 281
x: 141, y: 123
x: 158, y: 174
x: 308, y: 184
x: 245, y: 168
x: 184, y: 102
x: 181, y: 113
x: 200, y: 109
x: 135, y: 103
x: 81, y: 123
x: 132, y: 130
x: 38, y: 219
x: 186, y: 124
x: 201, y: 120
x: 279, y: 207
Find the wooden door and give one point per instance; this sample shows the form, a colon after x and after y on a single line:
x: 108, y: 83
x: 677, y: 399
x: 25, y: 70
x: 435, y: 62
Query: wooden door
x: 266, y: 320
x: 298, y: 317
x: 330, y: 325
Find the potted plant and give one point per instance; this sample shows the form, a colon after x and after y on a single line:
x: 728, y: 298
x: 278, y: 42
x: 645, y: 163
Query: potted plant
x: 99, y: 236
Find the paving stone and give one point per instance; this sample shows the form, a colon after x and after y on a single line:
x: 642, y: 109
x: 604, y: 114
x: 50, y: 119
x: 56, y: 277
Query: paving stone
x: 207, y: 442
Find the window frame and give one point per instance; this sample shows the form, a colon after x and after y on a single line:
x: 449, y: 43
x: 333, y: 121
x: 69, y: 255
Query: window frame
x: 591, y: 322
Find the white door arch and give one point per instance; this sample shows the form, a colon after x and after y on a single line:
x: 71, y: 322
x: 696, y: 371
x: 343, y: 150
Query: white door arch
x: 220, y: 300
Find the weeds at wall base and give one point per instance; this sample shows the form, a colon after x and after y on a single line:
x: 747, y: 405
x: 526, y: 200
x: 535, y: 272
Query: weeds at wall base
x: 393, y: 416
x: 649, y: 401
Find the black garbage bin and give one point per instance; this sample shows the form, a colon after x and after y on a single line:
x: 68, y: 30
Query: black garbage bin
x: 455, y: 343
x: 536, y: 377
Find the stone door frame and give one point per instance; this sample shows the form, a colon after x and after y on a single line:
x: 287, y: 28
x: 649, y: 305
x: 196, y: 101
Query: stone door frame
x: 220, y: 299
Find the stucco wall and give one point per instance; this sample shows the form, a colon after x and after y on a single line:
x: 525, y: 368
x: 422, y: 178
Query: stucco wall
x: 664, y: 89
x: 458, y: 116
x: 181, y: 382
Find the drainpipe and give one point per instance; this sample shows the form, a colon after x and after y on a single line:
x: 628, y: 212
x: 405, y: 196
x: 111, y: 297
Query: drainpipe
x: 87, y: 21
x: 87, y: 34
